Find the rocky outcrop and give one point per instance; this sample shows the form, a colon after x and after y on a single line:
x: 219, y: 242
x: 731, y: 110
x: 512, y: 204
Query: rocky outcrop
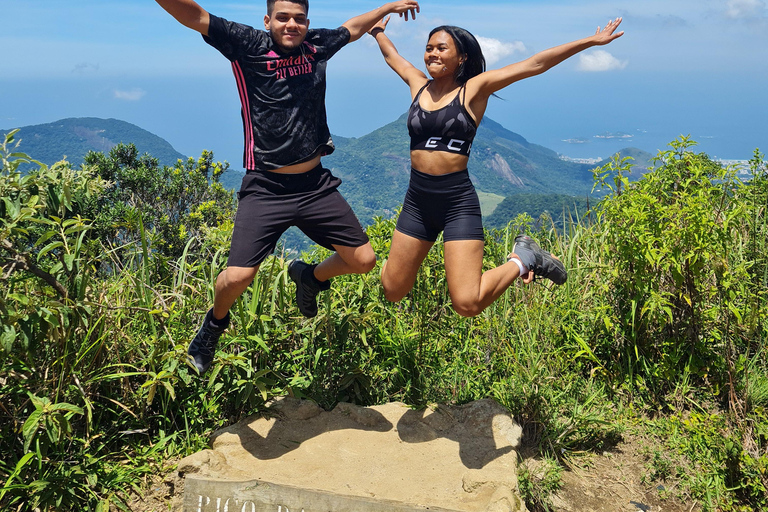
x: 389, y: 457
x: 502, y: 168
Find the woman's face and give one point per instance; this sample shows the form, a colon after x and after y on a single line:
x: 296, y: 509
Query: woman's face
x: 441, y: 56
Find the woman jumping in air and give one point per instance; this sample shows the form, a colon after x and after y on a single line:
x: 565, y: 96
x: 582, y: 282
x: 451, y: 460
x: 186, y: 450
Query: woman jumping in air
x: 447, y: 107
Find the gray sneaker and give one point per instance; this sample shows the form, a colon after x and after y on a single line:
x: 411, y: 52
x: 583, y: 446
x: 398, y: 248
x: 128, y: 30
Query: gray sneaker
x: 542, y: 263
x: 307, y: 286
x: 203, y: 347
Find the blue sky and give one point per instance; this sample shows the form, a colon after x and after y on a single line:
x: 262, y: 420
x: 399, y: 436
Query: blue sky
x: 693, y: 67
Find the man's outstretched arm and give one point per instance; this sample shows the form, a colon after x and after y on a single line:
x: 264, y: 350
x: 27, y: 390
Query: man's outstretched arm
x: 188, y: 13
x: 359, y: 25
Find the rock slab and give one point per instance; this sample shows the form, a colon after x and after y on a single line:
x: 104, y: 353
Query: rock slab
x: 364, y: 459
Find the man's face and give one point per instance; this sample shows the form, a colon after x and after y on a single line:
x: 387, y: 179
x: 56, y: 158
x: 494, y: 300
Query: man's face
x: 288, y: 24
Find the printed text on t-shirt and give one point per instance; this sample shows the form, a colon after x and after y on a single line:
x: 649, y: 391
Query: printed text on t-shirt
x: 291, y: 66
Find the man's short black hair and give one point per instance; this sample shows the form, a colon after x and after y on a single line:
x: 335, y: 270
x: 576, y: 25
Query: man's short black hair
x: 303, y: 3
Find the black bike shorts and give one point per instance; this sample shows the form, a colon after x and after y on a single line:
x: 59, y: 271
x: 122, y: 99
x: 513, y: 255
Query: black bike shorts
x: 447, y: 203
x: 270, y: 203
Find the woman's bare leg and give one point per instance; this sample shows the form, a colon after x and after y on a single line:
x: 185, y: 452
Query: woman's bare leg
x: 398, y: 274
x: 471, y: 289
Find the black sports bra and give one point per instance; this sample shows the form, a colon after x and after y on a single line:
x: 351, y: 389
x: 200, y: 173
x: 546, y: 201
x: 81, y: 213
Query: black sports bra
x: 450, y: 129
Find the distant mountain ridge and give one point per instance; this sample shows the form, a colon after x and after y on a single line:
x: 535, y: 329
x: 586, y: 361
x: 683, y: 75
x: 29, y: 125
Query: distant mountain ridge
x: 375, y: 168
x: 74, y: 137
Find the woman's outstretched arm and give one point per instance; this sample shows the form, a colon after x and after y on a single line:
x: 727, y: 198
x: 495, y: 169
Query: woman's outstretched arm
x: 405, y: 70
x: 489, y: 82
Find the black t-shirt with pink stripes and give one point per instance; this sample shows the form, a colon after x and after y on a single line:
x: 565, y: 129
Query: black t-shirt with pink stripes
x: 282, y: 95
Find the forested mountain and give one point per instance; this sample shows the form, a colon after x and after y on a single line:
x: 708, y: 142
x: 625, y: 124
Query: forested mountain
x: 74, y: 137
x: 375, y: 168
x: 641, y: 160
x: 557, y: 206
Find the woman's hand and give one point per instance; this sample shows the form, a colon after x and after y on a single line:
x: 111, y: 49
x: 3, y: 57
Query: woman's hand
x: 379, y: 27
x: 607, y: 35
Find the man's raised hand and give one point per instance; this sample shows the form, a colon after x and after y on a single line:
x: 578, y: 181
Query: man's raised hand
x: 404, y: 7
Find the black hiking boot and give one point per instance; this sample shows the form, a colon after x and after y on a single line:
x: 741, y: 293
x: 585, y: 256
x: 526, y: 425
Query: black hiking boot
x: 203, y: 347
x: 536, y: 259
x: 307, y: 286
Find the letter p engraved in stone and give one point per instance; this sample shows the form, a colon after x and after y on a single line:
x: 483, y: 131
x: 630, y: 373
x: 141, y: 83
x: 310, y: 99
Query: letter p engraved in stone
x: 200, y: 503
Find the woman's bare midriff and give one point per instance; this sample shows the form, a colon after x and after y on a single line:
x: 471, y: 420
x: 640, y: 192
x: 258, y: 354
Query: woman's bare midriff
x: 437, y: 162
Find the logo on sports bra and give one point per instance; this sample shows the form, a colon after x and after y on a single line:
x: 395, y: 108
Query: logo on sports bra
x: 452, y: 145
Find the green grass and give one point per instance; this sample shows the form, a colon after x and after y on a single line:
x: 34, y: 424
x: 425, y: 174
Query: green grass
x: 96, y: 394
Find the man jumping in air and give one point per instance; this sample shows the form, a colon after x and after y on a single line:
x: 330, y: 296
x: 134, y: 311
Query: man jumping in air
x: 280, y: 76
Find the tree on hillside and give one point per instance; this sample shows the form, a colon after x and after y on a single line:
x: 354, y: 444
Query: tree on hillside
x: 545, y: 209
x: 168, y: 206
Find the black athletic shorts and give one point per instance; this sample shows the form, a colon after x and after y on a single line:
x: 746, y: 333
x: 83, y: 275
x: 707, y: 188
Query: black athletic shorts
x: 447, y: 203
x: 270, y: 203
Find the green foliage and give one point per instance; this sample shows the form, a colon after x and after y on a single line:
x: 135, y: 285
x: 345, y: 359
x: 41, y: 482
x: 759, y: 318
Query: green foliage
x: 102, y: 289
x: 53, y: 418
x: 558, y: 209
x: 41, y: 236
x: 174, y: 203
x: 87, y: 372
x: 680, y: 318
x: 538, y: 484
x: 706, y: 453
x: 755, y: 198
x: 679, y: 288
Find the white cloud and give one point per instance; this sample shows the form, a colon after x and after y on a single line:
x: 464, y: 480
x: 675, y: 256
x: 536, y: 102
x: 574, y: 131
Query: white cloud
x: 495, y: 50
x: 134, y: 94
x: 745, y: 9
x: 600, y: 60
x: 84, y: 67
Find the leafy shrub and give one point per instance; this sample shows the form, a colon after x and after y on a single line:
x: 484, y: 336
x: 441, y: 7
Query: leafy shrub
x: 172, y: 204
x: 101, y: 292
x: 88, y: 368
x: 679, y: 289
